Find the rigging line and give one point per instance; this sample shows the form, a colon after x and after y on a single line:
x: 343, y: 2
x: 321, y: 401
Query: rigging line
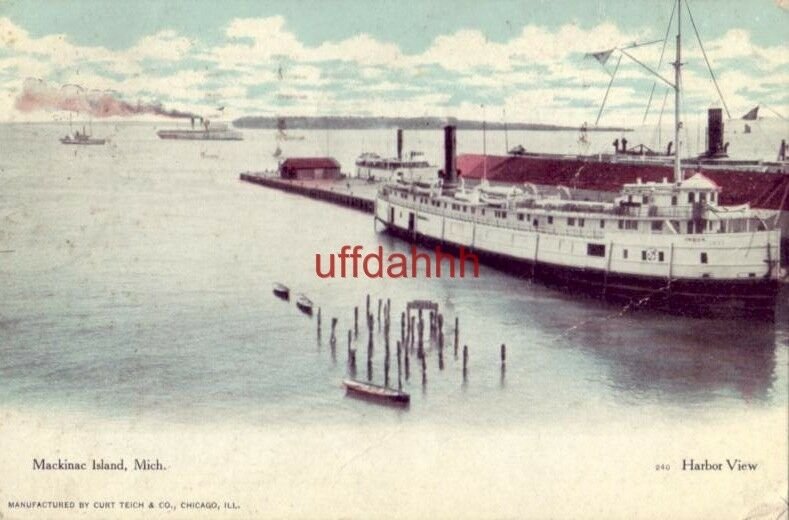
x: 647, y: 67
x: 655, y: 138
x: 660, y: 61
x: 704, y: 53
x: 644, y: 44
x: 773, y: 111
x: 602, y: 106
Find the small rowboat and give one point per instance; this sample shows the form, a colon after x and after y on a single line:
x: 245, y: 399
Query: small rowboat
x: 304, y: 304
x: 281, y: 291
x: 375, y: 392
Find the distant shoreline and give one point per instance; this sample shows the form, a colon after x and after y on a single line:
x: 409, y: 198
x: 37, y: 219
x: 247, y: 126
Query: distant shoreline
x: 337, y: 123
x: 406, y: 123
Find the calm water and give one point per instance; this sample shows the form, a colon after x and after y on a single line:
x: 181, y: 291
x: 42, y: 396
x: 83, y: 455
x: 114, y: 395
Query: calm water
x: 136, y: 281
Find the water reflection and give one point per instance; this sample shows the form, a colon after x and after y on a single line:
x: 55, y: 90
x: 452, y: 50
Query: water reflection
x: 691, y: 361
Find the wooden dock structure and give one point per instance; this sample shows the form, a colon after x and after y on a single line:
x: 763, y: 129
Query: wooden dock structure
x: 351, y: 193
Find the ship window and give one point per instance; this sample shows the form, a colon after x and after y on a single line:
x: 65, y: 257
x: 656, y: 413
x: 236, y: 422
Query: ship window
x: 473, y: 210
x: 645, y: 199
x: 571, y: 221
x: 445, y: 204
x: 657, y: 225
x: 581, y: 222
x: 690, y: 226
x: 703, y: 258
x: 660, y: 256
x: 595, y: 249
x: 621, y: 224
x: 465, y: 209
x: 602, y: 224
x: 702, y: 197
x: 483, y: 211
x: 535, y: 223
x: 723, y: 227
x: 550, y: 219
x: 691, y: 197
x: 712, y: 197
x: 643, y: 255
x: 631, y: 224
x: 624, y: 253
x: 673, y: 200
x: 630, y: 198
x: 520, y: 216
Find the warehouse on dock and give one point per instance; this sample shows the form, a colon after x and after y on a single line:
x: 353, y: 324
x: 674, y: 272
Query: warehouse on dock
x: 310, y: 168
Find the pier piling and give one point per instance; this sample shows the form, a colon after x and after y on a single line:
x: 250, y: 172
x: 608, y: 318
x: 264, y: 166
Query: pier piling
x: 465, y: 361
x: 420, y: 346
x: 333, y: 338
x: 424, y: 371
x: 356, y: 321
x: 386, y: 366
x: 457, y: 331
x: 402, y: 328
x: 407, y: 369
x: 399, y: 368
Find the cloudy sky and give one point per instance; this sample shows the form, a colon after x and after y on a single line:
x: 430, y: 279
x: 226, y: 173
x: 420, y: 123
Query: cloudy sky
x: 394, y: 58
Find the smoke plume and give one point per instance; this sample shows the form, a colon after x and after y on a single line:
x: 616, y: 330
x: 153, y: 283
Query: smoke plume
x: 37, y: 95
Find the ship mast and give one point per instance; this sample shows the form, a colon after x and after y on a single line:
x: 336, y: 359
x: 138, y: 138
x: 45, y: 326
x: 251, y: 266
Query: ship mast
x: 677, y: 88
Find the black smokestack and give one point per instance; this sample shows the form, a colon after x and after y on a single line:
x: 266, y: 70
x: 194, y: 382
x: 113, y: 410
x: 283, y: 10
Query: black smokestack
x: 715, y: 133
x: 450, y: 161
x: 400, y: 143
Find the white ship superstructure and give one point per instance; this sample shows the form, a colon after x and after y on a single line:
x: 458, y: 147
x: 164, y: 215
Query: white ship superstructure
x: 669, y: 242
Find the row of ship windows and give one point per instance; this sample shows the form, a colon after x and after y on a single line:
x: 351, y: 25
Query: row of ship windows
x: 702, y: 197
x: 691, y: 198
x: 646, y: 255
x: 656, y: 225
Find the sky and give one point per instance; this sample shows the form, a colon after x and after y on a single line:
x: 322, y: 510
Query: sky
x: 515, y: 60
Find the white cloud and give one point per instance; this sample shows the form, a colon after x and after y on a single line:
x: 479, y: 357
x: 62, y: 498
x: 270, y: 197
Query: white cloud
x: 519, y: 72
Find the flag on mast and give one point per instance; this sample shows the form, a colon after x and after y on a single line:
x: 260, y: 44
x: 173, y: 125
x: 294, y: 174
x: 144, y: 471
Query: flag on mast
x: 601, y: 56
x: 752, y: 114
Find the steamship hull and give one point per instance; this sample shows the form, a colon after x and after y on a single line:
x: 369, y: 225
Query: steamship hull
x: 702, y: 298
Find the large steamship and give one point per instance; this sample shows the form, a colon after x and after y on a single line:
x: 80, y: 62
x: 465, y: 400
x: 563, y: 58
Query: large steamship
x: 668, y: 244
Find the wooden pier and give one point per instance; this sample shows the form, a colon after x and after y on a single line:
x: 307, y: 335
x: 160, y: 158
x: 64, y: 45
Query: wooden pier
x: 351, y: 193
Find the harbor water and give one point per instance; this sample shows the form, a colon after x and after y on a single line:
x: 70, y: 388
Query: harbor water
x: 136, y: 288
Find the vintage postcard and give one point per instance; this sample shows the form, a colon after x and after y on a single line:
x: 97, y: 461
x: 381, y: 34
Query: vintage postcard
x: 394, y: 259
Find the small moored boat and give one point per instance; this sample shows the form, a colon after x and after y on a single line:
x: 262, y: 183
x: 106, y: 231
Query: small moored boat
x: 304, y: 304
x: 281, y: 291
x: 376, y: 392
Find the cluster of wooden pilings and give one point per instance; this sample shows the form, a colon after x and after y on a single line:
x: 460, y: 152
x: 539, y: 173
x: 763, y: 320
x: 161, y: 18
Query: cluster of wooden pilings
x: 421, y: 331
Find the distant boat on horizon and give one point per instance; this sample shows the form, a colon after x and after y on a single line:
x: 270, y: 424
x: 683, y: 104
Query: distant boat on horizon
x: 209, y: 132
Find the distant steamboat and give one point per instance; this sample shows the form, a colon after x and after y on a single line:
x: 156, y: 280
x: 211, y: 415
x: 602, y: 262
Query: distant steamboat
x: 209, y: 132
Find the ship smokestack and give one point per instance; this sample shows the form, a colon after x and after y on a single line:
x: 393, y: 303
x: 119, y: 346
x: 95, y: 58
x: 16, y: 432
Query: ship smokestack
x: 399, y: 143
x: 715, y: 133
x: 450, y: 160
